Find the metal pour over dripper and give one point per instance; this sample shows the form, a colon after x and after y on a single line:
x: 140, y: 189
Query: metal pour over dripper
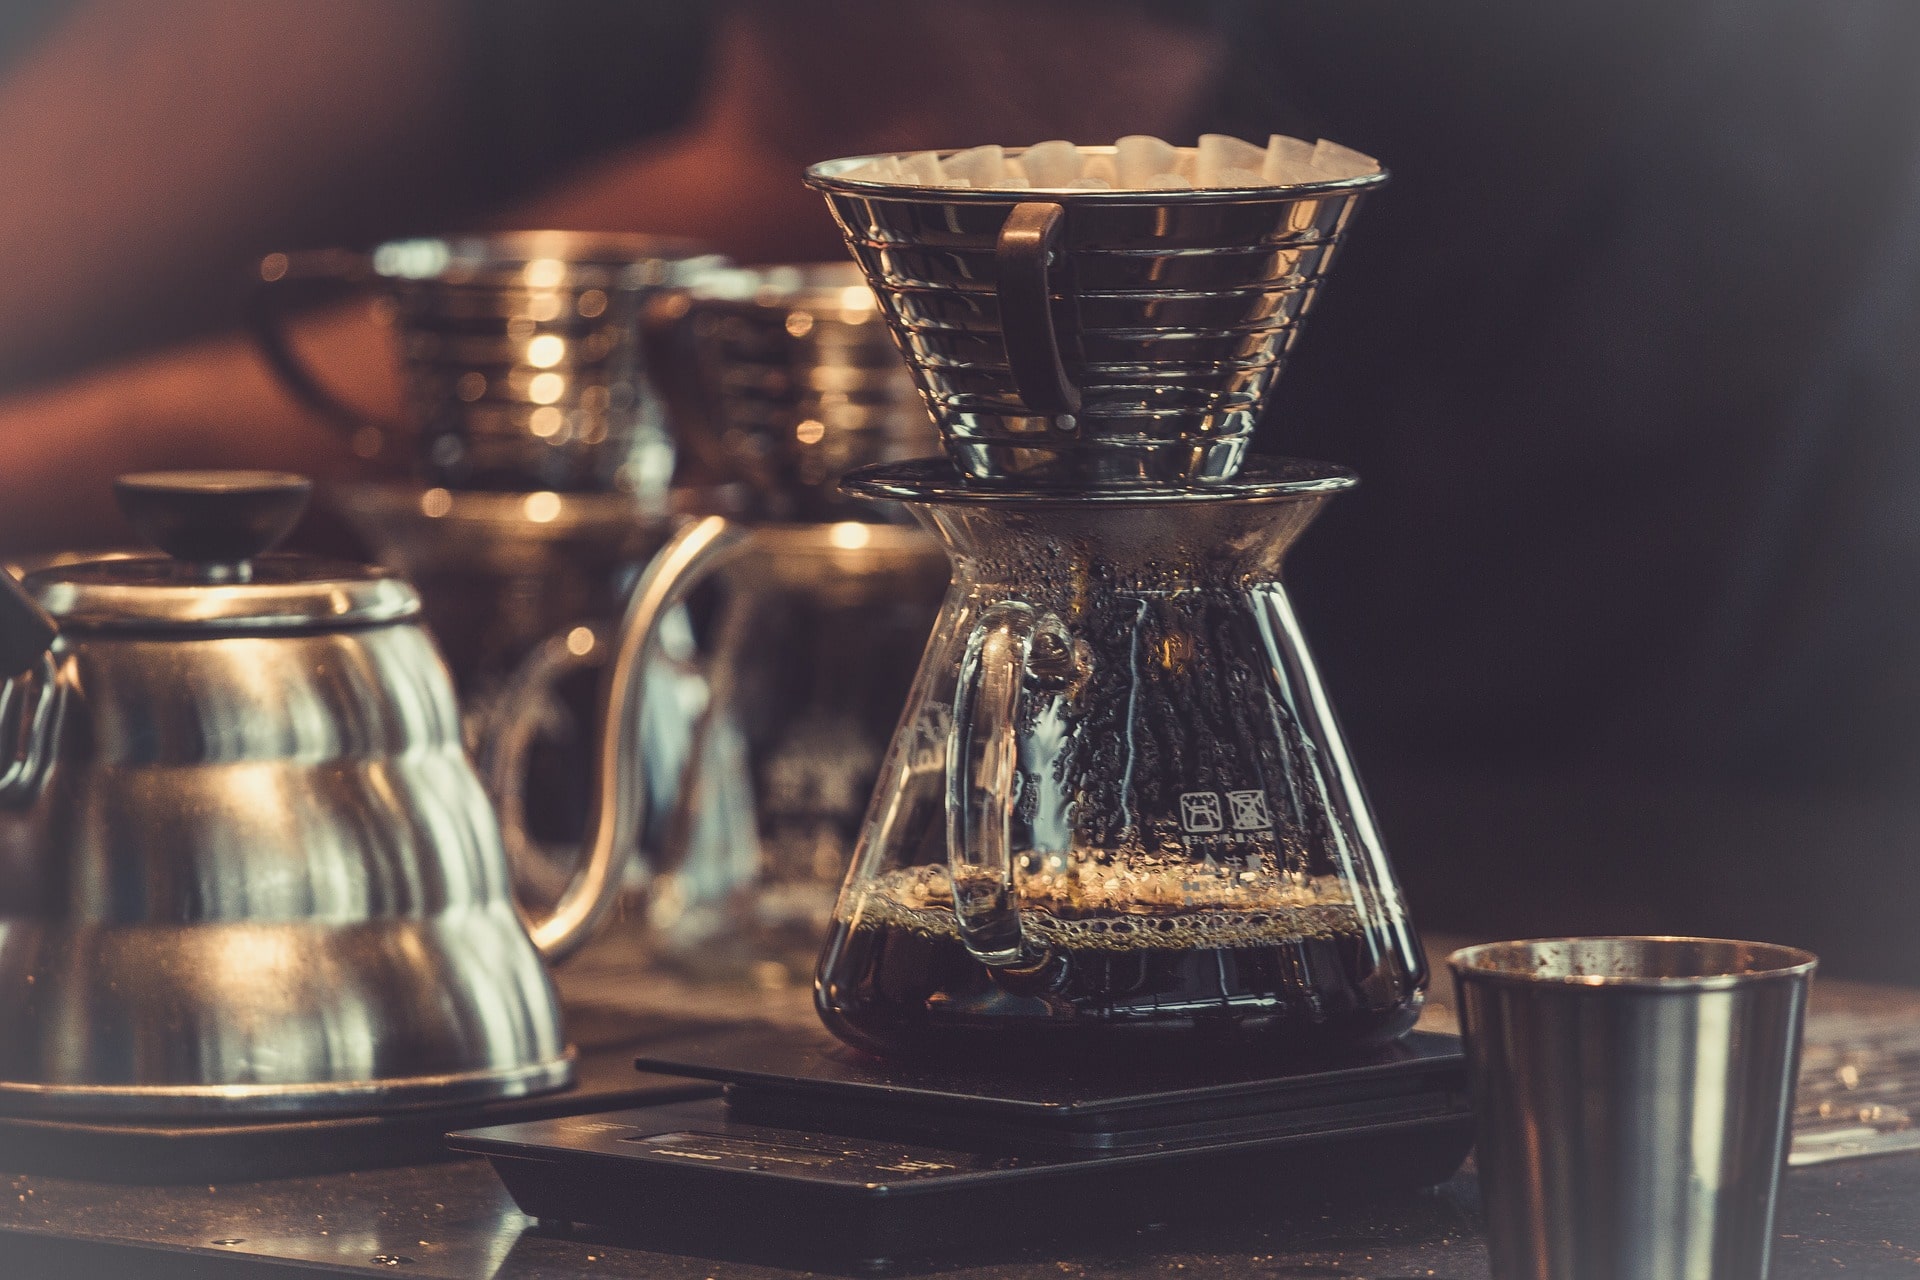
x: 1072, y: 338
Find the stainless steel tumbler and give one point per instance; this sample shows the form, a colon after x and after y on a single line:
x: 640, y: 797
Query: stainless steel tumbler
x: 1633, y: 1098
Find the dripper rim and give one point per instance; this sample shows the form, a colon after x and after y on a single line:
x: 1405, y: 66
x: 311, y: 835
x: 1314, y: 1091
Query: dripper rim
x: 826, y: 175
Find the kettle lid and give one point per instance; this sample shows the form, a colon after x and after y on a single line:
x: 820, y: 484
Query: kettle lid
x: 216, y: 528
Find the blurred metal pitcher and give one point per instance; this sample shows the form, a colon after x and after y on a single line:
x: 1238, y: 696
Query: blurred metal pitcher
x: 1073, y: 338
x: 798, y: 382
x: 523, y: 591
x: 822, y: 613
x: 523, y: 357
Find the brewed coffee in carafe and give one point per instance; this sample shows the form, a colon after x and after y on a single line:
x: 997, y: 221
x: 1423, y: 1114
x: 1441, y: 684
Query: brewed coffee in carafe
x: 1118, y: 808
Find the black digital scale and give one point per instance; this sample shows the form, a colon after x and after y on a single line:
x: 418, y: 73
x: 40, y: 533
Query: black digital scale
x: 817, y: 1152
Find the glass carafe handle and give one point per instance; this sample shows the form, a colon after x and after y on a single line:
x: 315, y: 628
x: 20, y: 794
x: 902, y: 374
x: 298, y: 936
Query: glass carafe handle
x: 983, y: 774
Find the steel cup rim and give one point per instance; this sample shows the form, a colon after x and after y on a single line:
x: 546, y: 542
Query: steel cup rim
x: 492, y: 258
x: 1785, y: 963
x: 783, y: 286
x: 828, y: 175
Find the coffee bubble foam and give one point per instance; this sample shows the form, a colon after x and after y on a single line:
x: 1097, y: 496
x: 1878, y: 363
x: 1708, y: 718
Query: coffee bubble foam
x: 1269, y: 911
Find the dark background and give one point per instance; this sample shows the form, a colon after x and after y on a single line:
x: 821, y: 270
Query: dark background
x: 1624, y: 620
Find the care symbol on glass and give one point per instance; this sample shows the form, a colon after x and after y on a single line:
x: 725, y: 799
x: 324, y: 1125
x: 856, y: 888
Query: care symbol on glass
x: 1249, y: 810
x: 929, y: 744
x: 1200, y: 810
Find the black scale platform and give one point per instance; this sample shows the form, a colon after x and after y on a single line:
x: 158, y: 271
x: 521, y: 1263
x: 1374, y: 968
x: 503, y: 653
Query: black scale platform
x: 818, y: 1152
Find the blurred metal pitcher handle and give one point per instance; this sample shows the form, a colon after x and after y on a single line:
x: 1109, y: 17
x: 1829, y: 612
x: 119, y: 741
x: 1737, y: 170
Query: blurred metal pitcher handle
x: 284, y: 283
x: 1025, y: 258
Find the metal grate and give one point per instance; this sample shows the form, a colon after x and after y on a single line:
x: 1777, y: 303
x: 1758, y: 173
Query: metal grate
x: 1859, y: 1088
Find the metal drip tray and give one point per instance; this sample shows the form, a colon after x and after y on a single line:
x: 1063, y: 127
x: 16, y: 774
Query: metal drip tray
x: 1859, y: 1088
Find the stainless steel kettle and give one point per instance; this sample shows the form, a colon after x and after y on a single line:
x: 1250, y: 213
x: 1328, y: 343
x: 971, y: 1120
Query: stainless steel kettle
x: 245, y: 864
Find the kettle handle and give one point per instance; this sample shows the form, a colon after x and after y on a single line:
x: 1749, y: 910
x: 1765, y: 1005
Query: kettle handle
x: 29, y: 709
x: 26, y: 630
x: 984, y: 778
x: 29, y: 690
x: 614, y: 817
x: 503, y: 734
x: 1030, y: 246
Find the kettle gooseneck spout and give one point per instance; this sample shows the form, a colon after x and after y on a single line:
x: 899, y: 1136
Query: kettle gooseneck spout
x: 226, y: 527
x: 616, y: 813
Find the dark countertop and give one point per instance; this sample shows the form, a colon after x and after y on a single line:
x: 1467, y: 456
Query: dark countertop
x: 1856, y: 1217
x: 453, y: 1221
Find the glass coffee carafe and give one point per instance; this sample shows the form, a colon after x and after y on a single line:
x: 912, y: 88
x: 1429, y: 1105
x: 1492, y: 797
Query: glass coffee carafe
x: 1118, y: 808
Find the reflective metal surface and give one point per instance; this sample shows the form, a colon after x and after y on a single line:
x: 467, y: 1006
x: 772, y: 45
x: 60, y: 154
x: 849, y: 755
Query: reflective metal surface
x: 1632, y: 1097
x: 525, y: 592
x: 524, y: 365
x: 259, y: 874
x: 500, y: 573
x: 281, y: 593
x: 216, y: 527
x: 245, y: 864
x: 1171, y: 315
x: 802, y: 382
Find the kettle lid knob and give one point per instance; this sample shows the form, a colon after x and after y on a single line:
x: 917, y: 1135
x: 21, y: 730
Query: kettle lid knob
x: 213, y: 517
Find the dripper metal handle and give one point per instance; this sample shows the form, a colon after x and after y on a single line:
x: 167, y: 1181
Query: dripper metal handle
x: 1029, y: 247
x: 984, y: 778
x: 618, y: 788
